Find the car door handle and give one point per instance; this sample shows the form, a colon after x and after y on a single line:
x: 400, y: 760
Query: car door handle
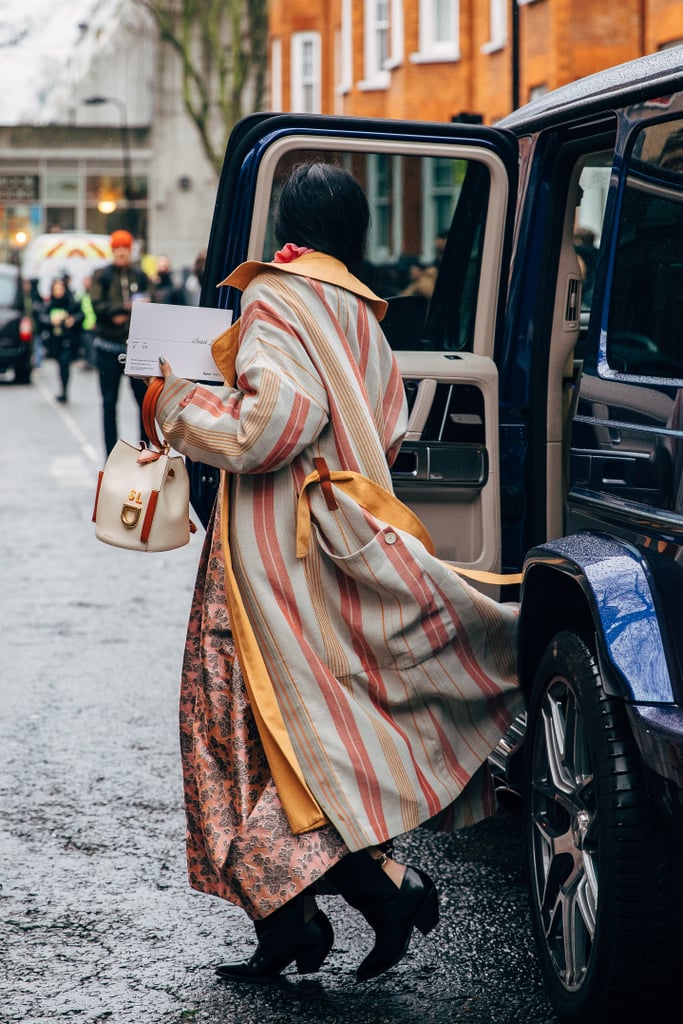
x: 460, y: 465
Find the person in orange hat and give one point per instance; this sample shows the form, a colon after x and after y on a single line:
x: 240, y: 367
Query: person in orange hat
x: 113, y: 290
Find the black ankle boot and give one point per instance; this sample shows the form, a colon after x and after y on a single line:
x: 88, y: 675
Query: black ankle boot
x: 284, y: 937
x: 392, y: 912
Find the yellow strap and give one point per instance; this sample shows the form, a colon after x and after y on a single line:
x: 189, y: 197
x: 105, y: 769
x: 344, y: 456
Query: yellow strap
x: 370, y: 496
x: 389, y: 509
x: 499, y: 579
x: 302, y: 809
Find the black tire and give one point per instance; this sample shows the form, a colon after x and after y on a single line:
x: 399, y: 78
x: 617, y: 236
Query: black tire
x: 598, y: 859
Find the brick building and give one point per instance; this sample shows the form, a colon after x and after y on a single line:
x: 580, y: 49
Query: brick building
x: 438, y: 59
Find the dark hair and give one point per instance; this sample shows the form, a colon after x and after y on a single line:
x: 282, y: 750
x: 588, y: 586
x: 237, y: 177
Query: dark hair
x: 323, y: 207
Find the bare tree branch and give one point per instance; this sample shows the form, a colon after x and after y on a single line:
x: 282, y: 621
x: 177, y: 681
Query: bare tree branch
x: 221, y: 47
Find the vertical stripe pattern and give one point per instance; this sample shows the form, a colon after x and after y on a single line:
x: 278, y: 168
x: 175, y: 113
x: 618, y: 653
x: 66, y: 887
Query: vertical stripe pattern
x: 394, y: 677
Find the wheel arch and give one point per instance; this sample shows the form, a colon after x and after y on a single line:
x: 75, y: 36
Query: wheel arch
x: 601, y: 588
x: 552, y: 600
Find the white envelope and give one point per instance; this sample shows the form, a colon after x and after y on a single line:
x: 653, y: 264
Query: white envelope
x: 181, y: 334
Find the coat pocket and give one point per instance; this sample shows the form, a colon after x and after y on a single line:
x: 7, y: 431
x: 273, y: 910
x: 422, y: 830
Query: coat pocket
x: 395, y: 598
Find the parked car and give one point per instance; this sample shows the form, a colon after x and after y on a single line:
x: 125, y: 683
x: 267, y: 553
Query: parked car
x: 545, y: 383
x: 16, y: 327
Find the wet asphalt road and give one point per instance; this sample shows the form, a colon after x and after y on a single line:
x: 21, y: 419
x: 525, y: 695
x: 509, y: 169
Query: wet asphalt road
x: 97, y: 922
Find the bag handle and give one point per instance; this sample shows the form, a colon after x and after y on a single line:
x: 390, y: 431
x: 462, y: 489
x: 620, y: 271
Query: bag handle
x: 149, y: 407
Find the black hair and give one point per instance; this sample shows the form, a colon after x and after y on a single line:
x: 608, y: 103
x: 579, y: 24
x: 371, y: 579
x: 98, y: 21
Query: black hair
x: 323, y: 207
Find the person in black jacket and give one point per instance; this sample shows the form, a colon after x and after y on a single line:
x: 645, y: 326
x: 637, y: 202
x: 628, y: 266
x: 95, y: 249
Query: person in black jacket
x: 166, y: 288
x: 113, y: 290
x: 60, y: 321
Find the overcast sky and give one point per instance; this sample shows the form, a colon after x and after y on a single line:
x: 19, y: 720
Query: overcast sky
x: 35, y: 39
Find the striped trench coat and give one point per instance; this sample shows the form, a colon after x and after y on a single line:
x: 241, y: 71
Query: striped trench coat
x: 380, y: 680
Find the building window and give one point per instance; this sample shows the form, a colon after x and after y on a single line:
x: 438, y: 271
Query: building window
x: 377, y: 29
x: 306, y: 72
x: 276, y: 75
x: 383, y: 185
x: 537, y: 91
x: 443, y: 179
x: 498, y: 26
x: 439, y: 31
x: 19, y: 211
x: 61, y: 184
x: 84, y: 194
x: 396, y: 54
x: 383, y: 42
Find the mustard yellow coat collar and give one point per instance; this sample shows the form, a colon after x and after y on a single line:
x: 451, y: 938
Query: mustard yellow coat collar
x: 316, y: 265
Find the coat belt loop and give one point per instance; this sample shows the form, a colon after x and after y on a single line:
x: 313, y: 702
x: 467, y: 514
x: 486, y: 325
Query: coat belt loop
x: 326, y: 484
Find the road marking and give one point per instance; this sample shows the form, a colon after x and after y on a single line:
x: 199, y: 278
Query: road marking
x: 72, y: 471
x: 86, y: 447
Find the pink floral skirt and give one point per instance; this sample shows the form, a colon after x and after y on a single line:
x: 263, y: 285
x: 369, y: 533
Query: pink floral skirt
x: 239, y: 844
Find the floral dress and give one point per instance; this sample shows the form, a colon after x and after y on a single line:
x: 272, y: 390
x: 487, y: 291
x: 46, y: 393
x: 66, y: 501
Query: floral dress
x: 239, y: 843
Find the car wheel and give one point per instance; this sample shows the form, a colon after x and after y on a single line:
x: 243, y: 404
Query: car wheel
x: 597, y: 858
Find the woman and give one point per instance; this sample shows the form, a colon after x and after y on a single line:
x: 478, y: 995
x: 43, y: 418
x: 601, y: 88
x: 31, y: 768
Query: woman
x: 340, y: 686
x: 60, y: 319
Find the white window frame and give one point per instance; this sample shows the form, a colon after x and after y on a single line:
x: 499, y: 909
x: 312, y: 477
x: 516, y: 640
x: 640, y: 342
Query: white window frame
x: 276, y: 75
x: 302, y: 81
x: 431, y: 193
x: 498, y: 26
x: 375, y: 73
x: 345, y: 76
x: 431, y: 48
x: 391, y: 251
x: 396, y: 35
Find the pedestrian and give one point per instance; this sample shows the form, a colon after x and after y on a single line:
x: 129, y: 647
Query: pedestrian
x: 113, y: 290
x: 33, y: 306
x: 195, y: 279
x: 88, y: 326
x: 60, y: 320
x: 165, y: 287
x: 423, y: 278
x: 341, y: 686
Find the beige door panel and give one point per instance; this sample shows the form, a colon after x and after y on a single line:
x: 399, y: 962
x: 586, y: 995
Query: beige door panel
x: 447, y: 470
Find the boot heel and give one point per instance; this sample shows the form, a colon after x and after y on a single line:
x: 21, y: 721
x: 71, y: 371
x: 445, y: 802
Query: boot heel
x: 284, y: 938
x: 310, y: 962
x: 321, y: 939
x: 428, y: 914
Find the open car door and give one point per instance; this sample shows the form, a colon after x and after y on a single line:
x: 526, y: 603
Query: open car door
x: 445, y: 187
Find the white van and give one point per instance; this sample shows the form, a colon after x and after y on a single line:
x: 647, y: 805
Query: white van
x: 76, y: 253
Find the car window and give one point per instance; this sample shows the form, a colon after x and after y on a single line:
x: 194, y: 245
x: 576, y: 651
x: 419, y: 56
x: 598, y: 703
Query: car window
x: 426, y: 240
x: 646, y: 302
x: 595, y: 170
x: 626, y: 438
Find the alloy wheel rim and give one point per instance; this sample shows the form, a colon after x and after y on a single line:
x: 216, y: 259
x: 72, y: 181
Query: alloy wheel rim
x: 564, y: 839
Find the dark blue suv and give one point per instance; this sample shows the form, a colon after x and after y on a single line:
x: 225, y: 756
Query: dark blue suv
x: 535, y: 278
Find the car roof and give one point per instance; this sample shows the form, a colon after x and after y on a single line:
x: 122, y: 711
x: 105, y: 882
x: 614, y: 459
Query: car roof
x: 656, y: 75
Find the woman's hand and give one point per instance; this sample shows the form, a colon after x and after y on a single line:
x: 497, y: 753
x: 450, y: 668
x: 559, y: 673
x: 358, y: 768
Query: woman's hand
x: 165, y: 368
